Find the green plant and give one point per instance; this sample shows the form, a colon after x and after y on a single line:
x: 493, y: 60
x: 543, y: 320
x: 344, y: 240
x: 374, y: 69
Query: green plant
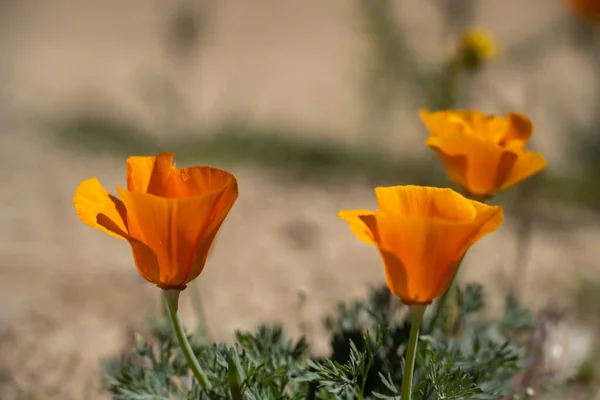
x: 463, y: 356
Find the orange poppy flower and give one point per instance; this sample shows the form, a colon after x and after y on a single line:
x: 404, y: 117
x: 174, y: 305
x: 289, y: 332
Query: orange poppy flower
x: 422, y: 234
x: 483, y: 154
x: 588, y: 9
x: 169, y: 216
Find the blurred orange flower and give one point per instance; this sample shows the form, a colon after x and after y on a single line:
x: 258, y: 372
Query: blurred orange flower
x: 483, y: 154
x: 588, y: 9
x: 422, y: 234
x: 169, y: 216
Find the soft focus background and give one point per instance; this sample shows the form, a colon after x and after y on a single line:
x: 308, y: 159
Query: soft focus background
x: 312, y: 104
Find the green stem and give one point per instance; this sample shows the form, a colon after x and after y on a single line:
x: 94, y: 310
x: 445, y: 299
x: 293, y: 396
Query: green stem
x: 172, y: 298
x: 364, y: 381
x: 411, y: 352
x: 361, y: 394
x: 164, y: 308
x: 233, y: 376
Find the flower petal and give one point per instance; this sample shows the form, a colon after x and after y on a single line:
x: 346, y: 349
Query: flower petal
x: 358, y: 225
x: 229, y: 195
x: 479, y: 174
x: 196, y: 181
x: 441, y: 123
x: 429, y: 250
x: 488, y: 219
x: 172, y: 228
x: 98, y: 209
x: 426, y: 248
x: 395, y: 272
x: 145, y: 261
x: 424, y: 202
x: 518, y: 132
x: 159, y: 176
x: 527, y: 164
x: 150, y: 174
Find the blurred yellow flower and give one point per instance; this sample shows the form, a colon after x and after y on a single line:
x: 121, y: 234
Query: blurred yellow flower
x: 483, y: 154
x: 475, y: 47
x: 169, y: 216
x: 588, y: 9
x: 422, y: 234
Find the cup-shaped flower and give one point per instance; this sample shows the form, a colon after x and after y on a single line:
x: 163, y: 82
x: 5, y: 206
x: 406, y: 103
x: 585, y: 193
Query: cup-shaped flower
x: 169, y: 216
x: 483, y: 154
x: 422, y: 234
x: 586, y: 9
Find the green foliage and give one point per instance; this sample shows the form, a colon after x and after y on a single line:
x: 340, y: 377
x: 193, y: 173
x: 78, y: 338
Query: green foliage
x: 265, y: 363
x: 461, y: 356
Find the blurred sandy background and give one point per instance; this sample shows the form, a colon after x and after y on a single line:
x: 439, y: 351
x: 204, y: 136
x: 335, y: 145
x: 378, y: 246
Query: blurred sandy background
x: 70, y: 295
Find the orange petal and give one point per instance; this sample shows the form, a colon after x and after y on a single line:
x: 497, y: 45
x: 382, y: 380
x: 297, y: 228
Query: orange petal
x: 495, y: 129
x: 395, y: 272
x: 477, y: 121
x: 150, y: 174
x: 479, y: 172
x: 158, y: 175
x: 395, y: 276
x: 527, y: 164
x: 486, y: 127
x: 423, y: 201
x: 441, y: 123
x: 358, y: 225
x: 518, y: 132
x: 221, y: 210
x: 195, y: 181
x: 428, y: 250
x: 422, y: 234
x: 172, y: 228
x: 98, y: 209
x: 487, y: 220
x: 145, y: 261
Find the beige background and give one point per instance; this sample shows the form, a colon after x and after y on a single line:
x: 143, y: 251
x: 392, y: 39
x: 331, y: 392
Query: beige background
x: 69, y: 295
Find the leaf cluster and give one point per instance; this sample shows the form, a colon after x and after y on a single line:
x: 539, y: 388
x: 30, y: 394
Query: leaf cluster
x: 462, y: 355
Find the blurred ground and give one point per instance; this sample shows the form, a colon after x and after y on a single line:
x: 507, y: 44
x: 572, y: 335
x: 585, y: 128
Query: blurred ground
x: 70, y: 295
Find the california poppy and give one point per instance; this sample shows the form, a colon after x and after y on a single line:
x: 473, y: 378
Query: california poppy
x: 483, y: 154
x: 588, y: 9
x: 169, y: 216
x: 422, y: 234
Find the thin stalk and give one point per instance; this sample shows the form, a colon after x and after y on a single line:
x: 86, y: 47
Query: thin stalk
x: 411, y: 352
x: 164, y: 308
x: 361, y: 394
x: 172, y: 298
x: 233, y: 377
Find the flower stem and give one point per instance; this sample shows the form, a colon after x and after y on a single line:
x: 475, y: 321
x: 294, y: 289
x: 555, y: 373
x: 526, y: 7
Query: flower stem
x: 172, y: 298
x: 411, y: 352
